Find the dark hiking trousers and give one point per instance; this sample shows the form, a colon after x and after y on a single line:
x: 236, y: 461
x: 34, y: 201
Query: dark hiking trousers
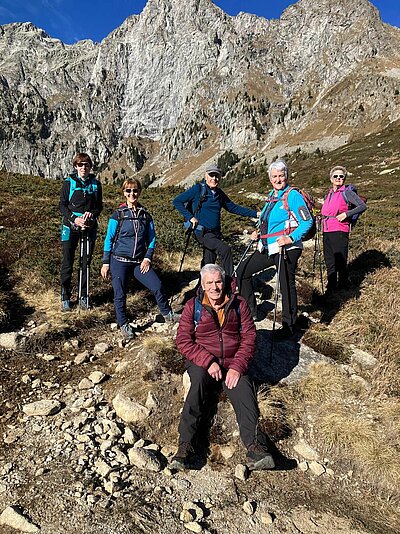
x: 259, y: 261
x: 213, y: 246
x: 202, y: 386
x: 69, y: 250
x: 336, y: 251
x: 120, y: 273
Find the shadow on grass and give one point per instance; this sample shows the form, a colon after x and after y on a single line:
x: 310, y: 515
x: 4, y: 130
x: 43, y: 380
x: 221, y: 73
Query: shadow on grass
x: 14, y: 307
x: 177, y: 282
x: 366, y: 263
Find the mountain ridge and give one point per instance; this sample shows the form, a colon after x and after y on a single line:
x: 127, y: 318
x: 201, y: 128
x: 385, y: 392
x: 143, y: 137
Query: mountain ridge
x: 182, y: 79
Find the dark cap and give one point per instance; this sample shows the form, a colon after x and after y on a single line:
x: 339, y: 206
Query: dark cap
x: 213, y: 168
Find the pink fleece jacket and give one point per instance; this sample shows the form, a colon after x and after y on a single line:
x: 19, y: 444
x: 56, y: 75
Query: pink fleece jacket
x: 334, y: 204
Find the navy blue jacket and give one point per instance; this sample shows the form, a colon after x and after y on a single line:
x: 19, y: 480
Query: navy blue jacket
x: 130, y: 235
x: 209, y: 215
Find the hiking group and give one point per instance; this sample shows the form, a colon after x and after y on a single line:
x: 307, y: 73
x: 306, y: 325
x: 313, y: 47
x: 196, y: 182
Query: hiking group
x: 216, y: 332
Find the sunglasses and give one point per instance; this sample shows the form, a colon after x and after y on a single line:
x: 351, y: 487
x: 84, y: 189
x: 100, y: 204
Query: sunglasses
x: 338, y: 176
x: 129, y: 191
x: 83, y: 164
x: 214, y: 175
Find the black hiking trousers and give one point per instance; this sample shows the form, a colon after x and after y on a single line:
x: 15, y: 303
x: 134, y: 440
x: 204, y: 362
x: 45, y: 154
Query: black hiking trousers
x: 259, y: 261
x: 196, y: 409
x: 213, y: 246
x: 69, y: 251
x: 336, y: 252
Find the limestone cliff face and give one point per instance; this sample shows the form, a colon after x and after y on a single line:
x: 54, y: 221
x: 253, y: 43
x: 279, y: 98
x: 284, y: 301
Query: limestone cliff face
x: 187, y: 78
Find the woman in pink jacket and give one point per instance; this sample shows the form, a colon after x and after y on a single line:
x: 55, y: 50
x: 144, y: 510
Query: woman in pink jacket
x: 337, y: 210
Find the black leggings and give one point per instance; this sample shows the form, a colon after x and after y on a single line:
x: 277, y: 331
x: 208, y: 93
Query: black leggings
x: 336, y: 251
x: 259, y: 261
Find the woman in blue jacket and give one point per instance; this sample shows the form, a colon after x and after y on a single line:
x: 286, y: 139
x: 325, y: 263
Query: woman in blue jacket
x: 279, y: 228
x: 128, y: 250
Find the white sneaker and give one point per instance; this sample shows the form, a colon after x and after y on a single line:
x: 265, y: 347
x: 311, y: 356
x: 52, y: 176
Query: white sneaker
x: 127, y: 332
x: 172, y: 317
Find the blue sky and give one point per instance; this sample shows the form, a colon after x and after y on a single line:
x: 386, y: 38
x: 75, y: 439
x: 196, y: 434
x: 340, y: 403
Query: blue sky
x: 72, y: 20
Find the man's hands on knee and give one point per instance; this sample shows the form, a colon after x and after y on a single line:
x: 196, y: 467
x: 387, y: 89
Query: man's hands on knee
x: 215, y: 371
x: 232, y: 378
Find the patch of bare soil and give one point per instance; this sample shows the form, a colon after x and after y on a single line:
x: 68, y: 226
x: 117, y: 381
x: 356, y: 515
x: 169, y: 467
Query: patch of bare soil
x: 71, y: 473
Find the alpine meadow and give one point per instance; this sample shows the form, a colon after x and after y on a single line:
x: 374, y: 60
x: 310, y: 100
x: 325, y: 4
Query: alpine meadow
x: 89, y: 420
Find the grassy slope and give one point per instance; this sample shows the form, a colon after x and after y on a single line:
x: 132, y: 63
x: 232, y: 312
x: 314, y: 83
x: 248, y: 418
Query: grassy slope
x: 354, y: 422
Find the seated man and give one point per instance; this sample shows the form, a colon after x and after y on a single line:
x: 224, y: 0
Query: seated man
x: 217, y: 336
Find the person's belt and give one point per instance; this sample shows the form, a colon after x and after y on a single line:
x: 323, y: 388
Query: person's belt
x: 125, y: 259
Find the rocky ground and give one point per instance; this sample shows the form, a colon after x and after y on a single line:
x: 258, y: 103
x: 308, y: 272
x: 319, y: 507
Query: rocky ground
x: 89, y: 424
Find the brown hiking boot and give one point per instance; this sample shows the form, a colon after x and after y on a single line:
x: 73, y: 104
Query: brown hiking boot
x: 183, y: 456
x: 258, y: 457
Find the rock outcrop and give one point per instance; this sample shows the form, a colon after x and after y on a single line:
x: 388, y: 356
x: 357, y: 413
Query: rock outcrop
x: 183, y: 77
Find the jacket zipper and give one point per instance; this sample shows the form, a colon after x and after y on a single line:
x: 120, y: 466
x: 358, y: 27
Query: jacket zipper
x: 220, y: 327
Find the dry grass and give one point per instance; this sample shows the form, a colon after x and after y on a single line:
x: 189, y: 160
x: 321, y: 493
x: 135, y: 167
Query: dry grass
x: 158, y: 344
x: 372, y: 323
x: 352, y: 425
x: 171, y: 260
x: 327, y: 382
x: 3, y: 308
x: 361, y: 439
x: 47, y: 303
x: 275, y: 404
x: 166, y: 352
x: 325, y: 341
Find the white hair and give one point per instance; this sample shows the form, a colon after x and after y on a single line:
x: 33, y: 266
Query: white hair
x: 212, y: 268
x: 279, y: 165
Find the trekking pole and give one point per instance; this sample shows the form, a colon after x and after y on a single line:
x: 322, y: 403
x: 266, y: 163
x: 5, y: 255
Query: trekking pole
x: 87, y: 268
x: 243, y: 257
x: 189, y: 233
x: 318, y: 236
x: 276, y: 298
x: 315, y: 253
x: 80, y: 267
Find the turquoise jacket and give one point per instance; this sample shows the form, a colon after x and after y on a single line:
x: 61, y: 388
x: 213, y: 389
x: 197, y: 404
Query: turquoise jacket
x: 276, y: 221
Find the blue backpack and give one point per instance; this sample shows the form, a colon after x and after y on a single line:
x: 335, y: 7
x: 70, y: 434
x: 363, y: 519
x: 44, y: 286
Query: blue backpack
x: 198, y: 308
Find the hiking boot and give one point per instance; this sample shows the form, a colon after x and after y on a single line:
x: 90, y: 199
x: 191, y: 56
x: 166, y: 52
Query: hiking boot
x: 65, y: 306
x: 172, y: 317
x: 84, y: 303
x: 257, y: 316
x: 258, y: 457
x: 285, y: 332
x: 127, y: 332
x: 183, y: 456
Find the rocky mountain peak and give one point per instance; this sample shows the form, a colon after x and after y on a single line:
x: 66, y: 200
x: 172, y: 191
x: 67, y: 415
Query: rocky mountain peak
x: 187, y: 78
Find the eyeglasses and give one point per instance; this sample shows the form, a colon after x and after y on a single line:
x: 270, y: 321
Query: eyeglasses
x: 214, y: 175
x: 129, y: 191
x: 338, y: 176
x: 83, y: 164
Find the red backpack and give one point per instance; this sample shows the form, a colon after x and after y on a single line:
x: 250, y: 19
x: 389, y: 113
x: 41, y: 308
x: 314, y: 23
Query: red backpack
x: 310, y: 203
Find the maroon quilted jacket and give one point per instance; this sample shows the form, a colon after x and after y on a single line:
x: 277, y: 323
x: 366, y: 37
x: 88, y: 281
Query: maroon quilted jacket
x: 231, y: 345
